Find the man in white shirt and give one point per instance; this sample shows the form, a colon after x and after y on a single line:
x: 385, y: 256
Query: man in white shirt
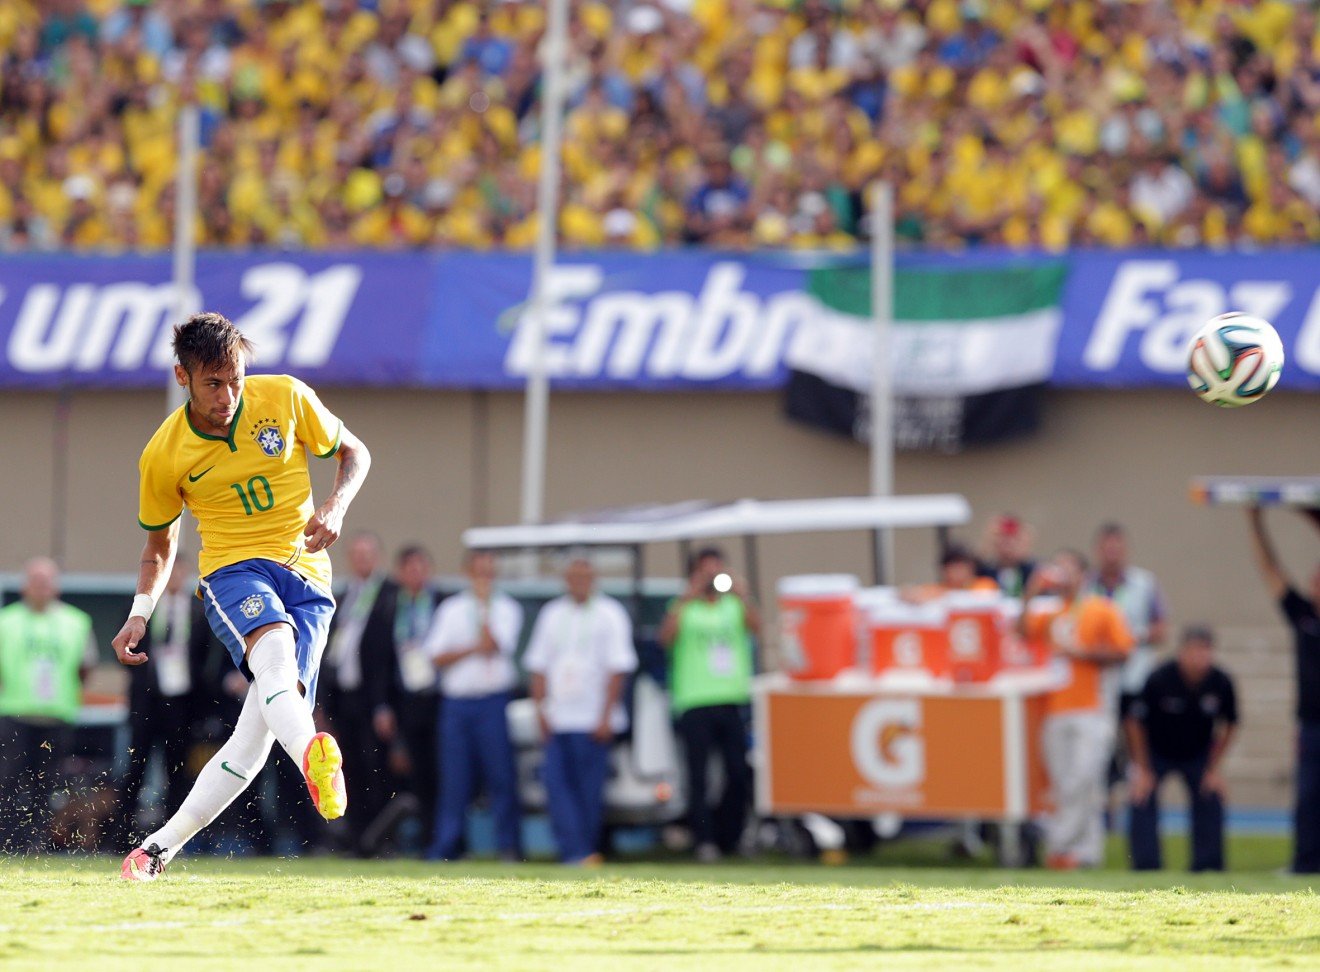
x: 1162, y: 189
x: 1137, y: 594
x: 472, y: 642
x: 580, y: 654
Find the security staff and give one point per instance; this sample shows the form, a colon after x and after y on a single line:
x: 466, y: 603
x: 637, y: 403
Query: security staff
x: 401, y: 685
x: 579, y: 656
x: 1302, y: 612
x: 46, y: 648
x: 344, y: 686
x: 1181, y: 722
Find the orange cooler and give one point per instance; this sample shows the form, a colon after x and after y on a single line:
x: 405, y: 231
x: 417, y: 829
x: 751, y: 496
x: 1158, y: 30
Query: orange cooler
x: 976, y: 635
x: 818, y: 625
x: 1016, y: 652
x: 908, y: 637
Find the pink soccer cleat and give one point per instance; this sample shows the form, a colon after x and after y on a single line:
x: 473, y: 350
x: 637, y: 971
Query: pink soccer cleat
x: 143, y: 864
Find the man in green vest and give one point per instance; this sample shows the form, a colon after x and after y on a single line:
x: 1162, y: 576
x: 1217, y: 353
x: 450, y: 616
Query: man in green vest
x: 46, y: 647
x: 709, y: 632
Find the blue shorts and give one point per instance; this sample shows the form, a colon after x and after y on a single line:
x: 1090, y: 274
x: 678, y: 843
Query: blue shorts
x: 245, y: 596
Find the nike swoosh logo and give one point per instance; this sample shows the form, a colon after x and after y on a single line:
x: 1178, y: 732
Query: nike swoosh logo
x: 271, y: 698
x: 224, y: 765
x: 193, y: 479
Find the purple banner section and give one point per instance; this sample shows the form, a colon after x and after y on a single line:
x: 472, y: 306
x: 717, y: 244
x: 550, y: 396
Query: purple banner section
x: 105, y: 322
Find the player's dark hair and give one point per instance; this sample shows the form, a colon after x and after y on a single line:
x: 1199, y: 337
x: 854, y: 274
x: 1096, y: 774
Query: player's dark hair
x: 1110, y: 529
x: 210, y: 340
x: 1199, y: 633
x: 703, y: 554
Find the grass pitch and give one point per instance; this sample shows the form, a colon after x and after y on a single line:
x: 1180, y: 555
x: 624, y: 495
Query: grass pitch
x: 289, y: 914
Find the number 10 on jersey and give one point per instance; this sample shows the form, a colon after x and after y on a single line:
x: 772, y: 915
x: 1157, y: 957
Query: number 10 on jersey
x: 252, y: 497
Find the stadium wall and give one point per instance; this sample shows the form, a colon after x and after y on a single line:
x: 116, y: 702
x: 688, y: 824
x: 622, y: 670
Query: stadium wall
x: 447, y: 460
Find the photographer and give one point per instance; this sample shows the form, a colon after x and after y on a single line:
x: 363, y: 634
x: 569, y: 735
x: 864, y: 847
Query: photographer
x: 1302, y: 611
x: 708, y: 632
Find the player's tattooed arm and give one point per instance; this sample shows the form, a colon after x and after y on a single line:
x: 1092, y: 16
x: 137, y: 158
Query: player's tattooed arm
x: 327, y: 522
x: 153, y: 571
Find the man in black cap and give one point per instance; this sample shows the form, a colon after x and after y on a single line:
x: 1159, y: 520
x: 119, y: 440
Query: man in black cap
x: 1181, y: 723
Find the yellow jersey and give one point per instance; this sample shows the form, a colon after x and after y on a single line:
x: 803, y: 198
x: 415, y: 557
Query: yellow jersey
x: 249, y: 490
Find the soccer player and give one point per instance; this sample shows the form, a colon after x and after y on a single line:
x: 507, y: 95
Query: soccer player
x: 236, y: 455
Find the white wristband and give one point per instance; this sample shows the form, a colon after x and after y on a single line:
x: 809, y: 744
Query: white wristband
x: 143, y: 605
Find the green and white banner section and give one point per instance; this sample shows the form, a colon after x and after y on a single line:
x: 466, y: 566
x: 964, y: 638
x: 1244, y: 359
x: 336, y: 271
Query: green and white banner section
x: 970, y: 352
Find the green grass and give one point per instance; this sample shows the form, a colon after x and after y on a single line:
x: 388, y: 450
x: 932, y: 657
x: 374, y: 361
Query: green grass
x: 327, y: 914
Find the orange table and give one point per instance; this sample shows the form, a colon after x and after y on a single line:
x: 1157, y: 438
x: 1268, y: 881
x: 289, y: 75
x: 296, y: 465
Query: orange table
x: 858, y: 747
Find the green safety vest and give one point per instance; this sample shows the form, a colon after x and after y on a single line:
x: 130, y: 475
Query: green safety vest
x: 711, y: 660
x: 40, y: 655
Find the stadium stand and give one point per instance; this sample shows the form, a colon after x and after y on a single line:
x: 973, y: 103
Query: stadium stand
x: 736, y: 123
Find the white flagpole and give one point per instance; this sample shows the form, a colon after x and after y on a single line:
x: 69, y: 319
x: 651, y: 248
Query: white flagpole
x: 882, y: 400
x: 537, y: 400
x: 185, y: 243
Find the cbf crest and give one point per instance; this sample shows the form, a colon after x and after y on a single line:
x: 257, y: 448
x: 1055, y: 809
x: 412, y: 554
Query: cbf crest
x: 266, y: 433
x: 252, y: 606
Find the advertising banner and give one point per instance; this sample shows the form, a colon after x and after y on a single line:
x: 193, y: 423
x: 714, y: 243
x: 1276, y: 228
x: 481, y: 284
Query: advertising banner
x: 687, y: 319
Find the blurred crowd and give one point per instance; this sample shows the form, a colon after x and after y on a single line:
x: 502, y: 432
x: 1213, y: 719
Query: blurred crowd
x: 734, y: 123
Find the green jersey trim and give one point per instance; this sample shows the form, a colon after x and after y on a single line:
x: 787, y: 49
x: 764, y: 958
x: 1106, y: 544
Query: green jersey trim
x: 334, y: 448
x: 233, y: 426
x: 162, y: 526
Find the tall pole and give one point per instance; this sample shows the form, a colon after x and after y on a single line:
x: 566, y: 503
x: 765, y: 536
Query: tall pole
x: 537, y: 399
x: 882, y: 392
x: 185, y: 243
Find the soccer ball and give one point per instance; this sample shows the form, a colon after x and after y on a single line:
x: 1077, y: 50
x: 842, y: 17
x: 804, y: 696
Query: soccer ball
x: 1234, y: 359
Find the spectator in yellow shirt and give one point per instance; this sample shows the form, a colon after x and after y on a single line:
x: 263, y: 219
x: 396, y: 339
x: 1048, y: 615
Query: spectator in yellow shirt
x: 396, y: 224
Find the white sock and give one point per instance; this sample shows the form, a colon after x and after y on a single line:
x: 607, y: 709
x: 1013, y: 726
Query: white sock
x: 275, y: 670
x: 221, y: 780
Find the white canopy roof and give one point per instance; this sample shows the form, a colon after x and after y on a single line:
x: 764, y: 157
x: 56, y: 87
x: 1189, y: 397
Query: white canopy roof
x: 1257, y: 490
x: 693, y: 521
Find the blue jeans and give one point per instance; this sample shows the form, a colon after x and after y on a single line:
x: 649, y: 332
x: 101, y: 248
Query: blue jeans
x: 576, y: 767
x: 1207, y: 819
x: 1306, y: 815
x: 474, y: 742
